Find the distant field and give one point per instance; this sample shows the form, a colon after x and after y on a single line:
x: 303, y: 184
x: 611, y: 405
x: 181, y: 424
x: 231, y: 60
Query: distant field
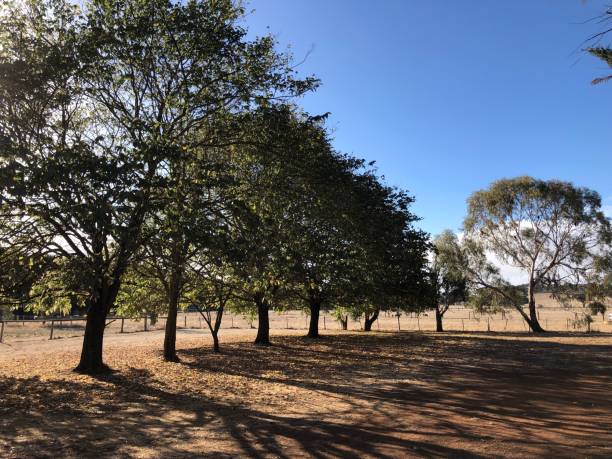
x: 348, y: 394
x: 553, y: 317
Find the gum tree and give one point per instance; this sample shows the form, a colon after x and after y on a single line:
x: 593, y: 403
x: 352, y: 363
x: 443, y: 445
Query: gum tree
x: 552, y: 230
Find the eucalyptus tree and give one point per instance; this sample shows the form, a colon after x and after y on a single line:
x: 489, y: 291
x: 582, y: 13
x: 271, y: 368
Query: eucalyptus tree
x: 97, y: 102
x: 551, y: 230
x: 449, y: 285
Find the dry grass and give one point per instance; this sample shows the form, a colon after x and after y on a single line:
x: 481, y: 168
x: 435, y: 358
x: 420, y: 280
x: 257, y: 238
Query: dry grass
x: 553, y: 317
x: 346, y: 395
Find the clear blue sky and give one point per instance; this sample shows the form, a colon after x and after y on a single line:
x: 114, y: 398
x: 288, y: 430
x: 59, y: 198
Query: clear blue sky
x: 448, y: 96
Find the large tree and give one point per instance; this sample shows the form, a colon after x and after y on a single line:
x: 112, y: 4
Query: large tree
x: 99, y: 104
x: 551, y: 230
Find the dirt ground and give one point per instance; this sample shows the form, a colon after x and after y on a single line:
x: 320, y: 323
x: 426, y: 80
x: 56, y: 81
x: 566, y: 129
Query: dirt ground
x: 352, y: 394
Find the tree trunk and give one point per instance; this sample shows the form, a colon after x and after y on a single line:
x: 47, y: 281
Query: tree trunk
x: 343, y: 322
x: 315, y: 309
x: 170, y: 333
x: 263, y: 328
x: 174, y: 296
x: 91, y: 353
x: 534, y: 324
x: 439, y: 315
x: 215, y: 330
x: 367, y: 323
x: 216, y: 348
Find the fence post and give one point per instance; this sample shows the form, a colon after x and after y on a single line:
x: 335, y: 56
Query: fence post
x: 462, y: 325
x: 122, y: 321
x: 399, y: 328
x: 1, y: 331
x: 52, y: 324
x: 185, y: 320
x: 324, y: 325
x: 145, y: 323
x: 488, y: 325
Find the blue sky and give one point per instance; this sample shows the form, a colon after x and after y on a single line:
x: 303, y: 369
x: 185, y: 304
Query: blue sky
x: 448, y: 96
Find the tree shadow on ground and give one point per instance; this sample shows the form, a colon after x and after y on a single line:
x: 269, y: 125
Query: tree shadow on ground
x: 396, y: 395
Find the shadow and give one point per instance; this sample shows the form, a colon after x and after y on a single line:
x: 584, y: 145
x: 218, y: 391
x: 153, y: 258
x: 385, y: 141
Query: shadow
x: 349, y: 395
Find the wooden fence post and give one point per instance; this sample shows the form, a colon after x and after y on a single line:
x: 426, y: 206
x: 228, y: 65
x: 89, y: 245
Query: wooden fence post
x: 324, y: 325
x: 185, y: 320
x: 462, y: 325
x: 145, y: 323
x: 52, y: 324
x: 122, y: 321
x: 399, y: 328
x: 1, y: 331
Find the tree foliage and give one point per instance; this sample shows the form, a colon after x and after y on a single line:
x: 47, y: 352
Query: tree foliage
x: 551, y: 230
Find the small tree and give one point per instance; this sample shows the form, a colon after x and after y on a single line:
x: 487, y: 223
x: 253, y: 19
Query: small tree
x: 597, y: 307
x: 449, y: 284
x: 551, y: 230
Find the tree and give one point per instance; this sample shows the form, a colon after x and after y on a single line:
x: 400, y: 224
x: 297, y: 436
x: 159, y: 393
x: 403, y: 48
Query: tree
x: 603, y: 53
x: 597, y: 307
x: 551, y: 230
x: 97, y: 107
x: 448, y: 281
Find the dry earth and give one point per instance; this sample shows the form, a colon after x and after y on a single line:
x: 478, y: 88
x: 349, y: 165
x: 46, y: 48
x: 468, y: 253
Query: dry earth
x: 404, y: 394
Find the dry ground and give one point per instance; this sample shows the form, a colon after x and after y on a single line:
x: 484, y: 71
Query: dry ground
x: 553, y: 317
x: 404, y: 394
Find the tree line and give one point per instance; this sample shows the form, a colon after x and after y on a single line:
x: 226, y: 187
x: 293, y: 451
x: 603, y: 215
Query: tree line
x: 153, y: 158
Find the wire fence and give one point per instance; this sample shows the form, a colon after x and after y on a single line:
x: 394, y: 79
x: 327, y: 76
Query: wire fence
x: 456, y: 319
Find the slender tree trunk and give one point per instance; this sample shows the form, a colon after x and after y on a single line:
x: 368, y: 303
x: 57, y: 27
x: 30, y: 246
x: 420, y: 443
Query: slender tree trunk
x: 533, y: 313
x: 343, y: 322
x: 369, y: 320
x: 439, y: 315
x: 174, y: 296
x: 215, y: 330
x: 216, y: 347
x: 170, y: 332
x: 315, y: 309
x: 263, y: 328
